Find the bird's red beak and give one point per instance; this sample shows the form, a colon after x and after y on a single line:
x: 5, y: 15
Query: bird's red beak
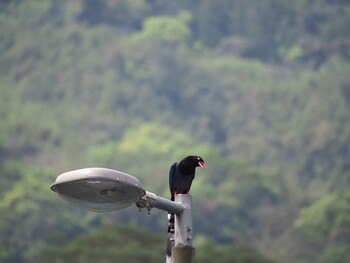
x: 201, y: 164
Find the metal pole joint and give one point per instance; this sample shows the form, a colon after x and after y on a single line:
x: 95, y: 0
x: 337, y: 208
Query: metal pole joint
x: 150, y: 200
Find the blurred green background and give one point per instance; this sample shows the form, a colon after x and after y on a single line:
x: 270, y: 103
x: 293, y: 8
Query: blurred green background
x: 260, y: 89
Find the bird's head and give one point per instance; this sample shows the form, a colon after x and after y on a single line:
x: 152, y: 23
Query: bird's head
x: 194, y: 161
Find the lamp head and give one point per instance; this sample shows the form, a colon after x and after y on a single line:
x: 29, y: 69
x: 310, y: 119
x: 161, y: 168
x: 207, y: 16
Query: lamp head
x: 98, y: 189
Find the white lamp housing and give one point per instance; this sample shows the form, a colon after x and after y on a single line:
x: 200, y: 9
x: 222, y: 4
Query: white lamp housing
x: 98, y: 189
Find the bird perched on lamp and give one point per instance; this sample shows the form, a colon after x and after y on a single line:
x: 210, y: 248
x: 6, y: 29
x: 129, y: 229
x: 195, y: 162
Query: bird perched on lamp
x: 181, y: 175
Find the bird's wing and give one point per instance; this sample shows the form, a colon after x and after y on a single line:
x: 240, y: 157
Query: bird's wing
x: 172, y: 173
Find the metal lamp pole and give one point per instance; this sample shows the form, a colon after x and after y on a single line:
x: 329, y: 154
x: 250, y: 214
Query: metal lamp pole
x: 183, y: 251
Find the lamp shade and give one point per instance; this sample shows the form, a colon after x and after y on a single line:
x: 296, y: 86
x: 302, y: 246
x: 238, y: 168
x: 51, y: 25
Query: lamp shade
x: 98, y: 189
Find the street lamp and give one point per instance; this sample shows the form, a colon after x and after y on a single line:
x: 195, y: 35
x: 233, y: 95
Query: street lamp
x: 104, y: 190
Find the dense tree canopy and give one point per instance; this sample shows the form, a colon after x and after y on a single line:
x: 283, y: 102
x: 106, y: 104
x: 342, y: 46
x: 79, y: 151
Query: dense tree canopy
x: 259, y: 89
x: 114, y: 243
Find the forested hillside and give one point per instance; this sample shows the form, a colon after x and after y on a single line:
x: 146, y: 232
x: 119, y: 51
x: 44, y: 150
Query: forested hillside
x: 260, y: 89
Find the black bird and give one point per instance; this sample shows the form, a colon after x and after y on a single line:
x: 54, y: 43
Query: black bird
x: 181, y: 175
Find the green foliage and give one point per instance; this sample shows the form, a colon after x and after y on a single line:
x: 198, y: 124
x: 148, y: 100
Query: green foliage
x: 238, y: 253
x: 125, y: 14
x: 166, y: 29
x: 29, y: 218
x: 111, y: 243
x: 136, y: 85
x: 327, y: 219
x: 116, y: 243
x: 336, y: 254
